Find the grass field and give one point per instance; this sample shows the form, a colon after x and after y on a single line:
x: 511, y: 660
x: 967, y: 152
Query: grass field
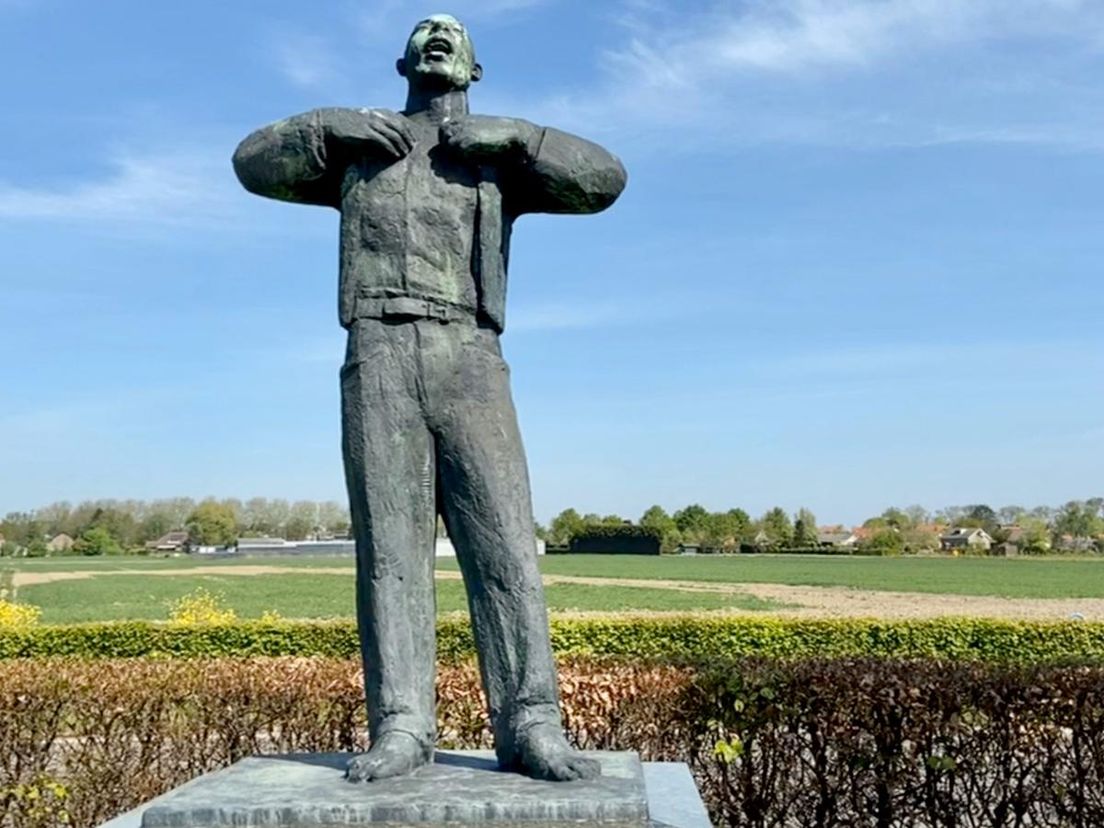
x: 323, y: 587
x: 1012, y: 578
x: 322, y: 596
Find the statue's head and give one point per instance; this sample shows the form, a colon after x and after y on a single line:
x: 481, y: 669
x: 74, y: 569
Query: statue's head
x: 440, y: 55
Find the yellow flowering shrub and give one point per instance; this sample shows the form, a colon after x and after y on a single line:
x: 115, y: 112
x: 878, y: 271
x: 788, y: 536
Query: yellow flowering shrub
x: 201, y: 608
x: 18, y: 616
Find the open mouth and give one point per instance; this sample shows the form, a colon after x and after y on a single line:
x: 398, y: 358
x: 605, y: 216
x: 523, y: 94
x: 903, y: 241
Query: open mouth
x: 437, y: 47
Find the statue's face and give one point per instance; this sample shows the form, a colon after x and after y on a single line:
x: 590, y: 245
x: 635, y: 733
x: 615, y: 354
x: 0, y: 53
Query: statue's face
x: 440, y: 53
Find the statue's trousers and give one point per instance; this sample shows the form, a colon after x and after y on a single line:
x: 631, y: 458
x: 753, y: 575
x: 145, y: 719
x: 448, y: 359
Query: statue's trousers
x: 428, y: 425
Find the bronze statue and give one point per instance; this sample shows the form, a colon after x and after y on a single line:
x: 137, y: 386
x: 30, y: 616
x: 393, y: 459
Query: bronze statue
x: 428, y: 198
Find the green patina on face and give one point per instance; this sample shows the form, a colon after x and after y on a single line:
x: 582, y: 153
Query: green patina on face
x: 440, y: 53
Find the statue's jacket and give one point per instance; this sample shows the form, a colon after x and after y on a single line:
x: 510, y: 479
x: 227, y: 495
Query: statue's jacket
x: 291, y: 160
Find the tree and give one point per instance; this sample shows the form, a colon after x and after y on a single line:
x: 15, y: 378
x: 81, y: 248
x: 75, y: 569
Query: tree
x: 333, y: 517
x: 920, y: 538
x: 1035, y: 539
x: 55, y: 517
x: 155, y: 524
x: 776, y: 525
x: 805, y: 528
x: 727, y: 529
x: 1079, y: 520
x: 692, y: 521
x: 564, y: 527
x: 886, y: 542
x: 297, y: 528
x: 212, y: 524
x: 917, y: 515
x: 21, y: 529
x: 177, y: 508
x: 1009, y: 515
x: 980, y: 516
x: 951, y: 515
x: 96, y: 540
x: 303, y: 513
x: 117, y: 523
x: 656, y: 517
x: 897, y: 519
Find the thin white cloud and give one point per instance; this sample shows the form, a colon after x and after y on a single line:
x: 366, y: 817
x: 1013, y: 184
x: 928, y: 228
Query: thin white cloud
x: 843, y: 73
x: 161, y: 188
x: 796, y: 35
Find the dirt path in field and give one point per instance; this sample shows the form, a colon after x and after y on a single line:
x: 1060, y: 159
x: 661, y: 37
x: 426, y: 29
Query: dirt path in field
x: 844, y: 602
x: 802, y: 601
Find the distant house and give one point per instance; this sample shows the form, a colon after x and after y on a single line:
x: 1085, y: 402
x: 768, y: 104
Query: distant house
x: 1068, y: 543
x: 966, y: 537
x: 169, y: 542
x: 264, y: 547
x: 866, y: 533
x: 262, y: 543
x: 836, y: 536
x: 60, y: 543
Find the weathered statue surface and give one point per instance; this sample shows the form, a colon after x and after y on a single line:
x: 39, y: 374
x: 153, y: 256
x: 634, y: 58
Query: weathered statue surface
x: 428, y: 197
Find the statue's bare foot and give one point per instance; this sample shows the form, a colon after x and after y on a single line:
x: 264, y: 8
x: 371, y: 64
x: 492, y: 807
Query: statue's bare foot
x: 542, y: 752
x: 393, y: 754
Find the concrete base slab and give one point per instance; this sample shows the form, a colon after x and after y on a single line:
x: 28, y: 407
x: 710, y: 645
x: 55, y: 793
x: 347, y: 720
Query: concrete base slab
x: 460, y: 787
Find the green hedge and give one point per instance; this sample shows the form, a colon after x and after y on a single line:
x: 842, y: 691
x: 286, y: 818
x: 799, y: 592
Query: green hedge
x: 679, y: 639
x: 618, y: 531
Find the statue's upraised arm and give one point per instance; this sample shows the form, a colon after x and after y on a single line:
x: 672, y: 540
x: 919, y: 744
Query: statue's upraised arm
x: 540, y: 169
x: 303, y: 158
x: 566, y: 174
x: 287, y: 160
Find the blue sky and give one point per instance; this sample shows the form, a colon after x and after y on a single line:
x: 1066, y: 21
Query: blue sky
x: 858, y: 263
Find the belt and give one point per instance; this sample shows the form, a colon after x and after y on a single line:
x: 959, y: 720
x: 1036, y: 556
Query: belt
x: 383, y: 307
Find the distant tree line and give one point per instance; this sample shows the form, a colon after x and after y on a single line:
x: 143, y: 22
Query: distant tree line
x: 114, y: 526
x: 1077, y: 526
x: 724, y: 531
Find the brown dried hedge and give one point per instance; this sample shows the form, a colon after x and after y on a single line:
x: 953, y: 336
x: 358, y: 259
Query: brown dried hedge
x: 844, y: 742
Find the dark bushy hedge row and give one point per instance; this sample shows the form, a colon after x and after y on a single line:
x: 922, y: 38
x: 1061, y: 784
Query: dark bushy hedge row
x: 672, y: 638
x: 885, y: 743
x: 816, y: 742
x: 619, y: 530
x: 624, y: 539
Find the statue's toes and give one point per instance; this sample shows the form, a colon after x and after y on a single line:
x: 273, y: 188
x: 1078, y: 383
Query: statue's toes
x: 545, y: 754
x: 393, y: 755
x: 361, y: 768
x: 569, y: 766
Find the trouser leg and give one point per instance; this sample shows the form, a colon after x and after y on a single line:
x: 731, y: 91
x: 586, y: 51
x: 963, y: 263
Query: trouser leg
x: 390, y: 474
x: 489, y: 515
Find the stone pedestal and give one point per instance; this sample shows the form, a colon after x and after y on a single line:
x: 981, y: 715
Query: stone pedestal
x: 459, y: 788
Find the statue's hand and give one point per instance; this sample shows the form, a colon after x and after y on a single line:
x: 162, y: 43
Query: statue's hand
x: 486, y: 137
x: 374, y: 131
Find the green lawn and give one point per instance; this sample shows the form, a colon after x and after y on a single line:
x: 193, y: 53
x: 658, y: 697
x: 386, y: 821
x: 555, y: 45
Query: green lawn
x: 1013, y: 578
x: 314, y: 594
x: 130, y: 597
x: 78, y: 563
